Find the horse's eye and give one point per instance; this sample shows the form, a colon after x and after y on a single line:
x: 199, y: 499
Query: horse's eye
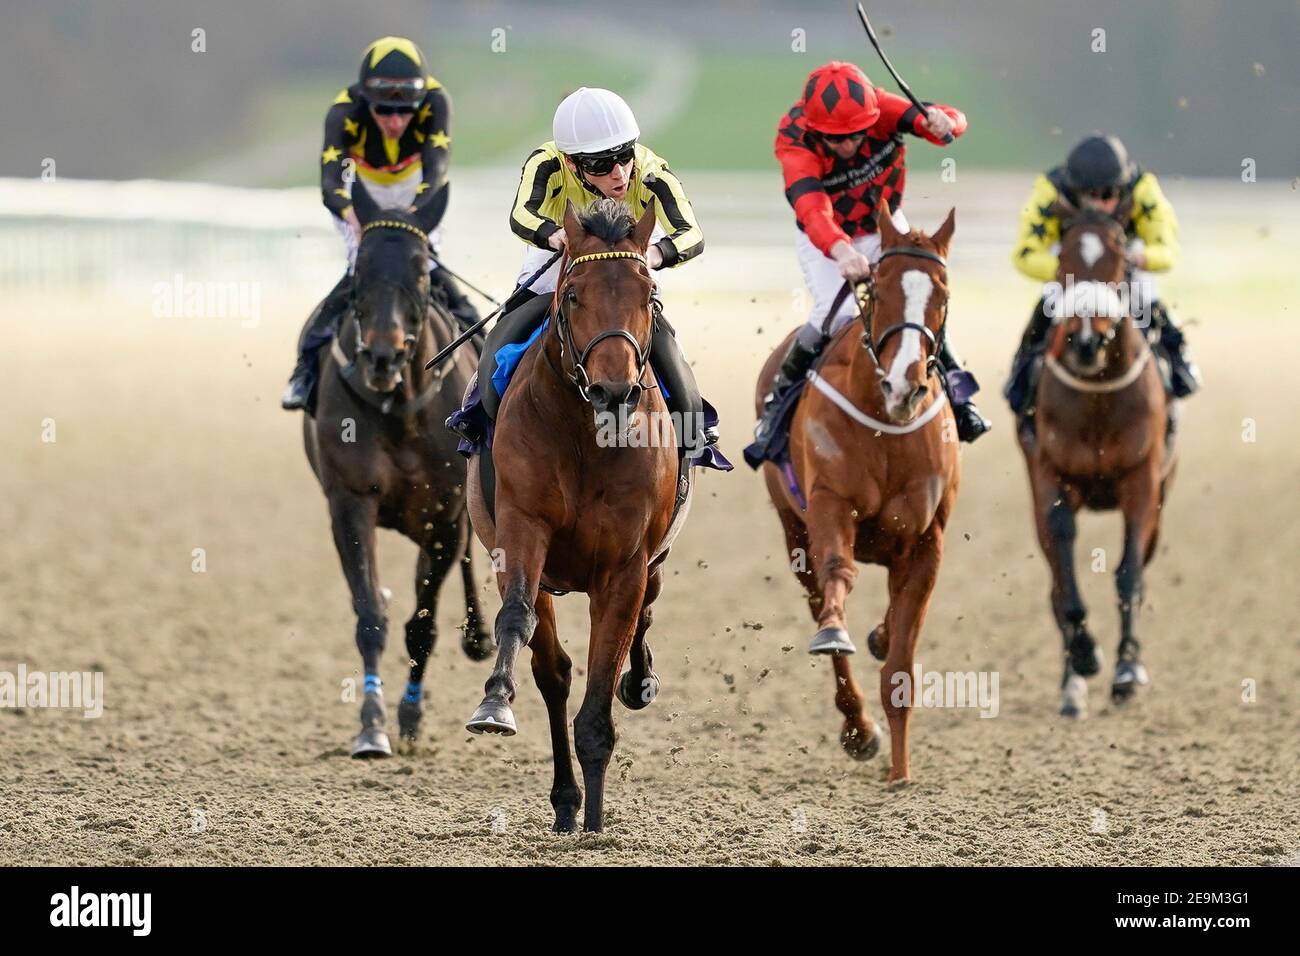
x: 570, y: 294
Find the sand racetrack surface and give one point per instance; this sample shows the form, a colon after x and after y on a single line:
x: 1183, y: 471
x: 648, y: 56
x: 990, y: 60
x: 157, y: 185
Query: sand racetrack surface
x: 224, y: 738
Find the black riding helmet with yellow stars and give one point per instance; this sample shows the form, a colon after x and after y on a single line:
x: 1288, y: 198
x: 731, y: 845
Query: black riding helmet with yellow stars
x: 393, y: 74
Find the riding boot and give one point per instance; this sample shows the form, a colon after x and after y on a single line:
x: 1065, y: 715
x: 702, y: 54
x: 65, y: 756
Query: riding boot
x: 961, y: 386
x: 1184, y: 375
x: 794, y: 367
x: 320, y: 328
x: 1023, y: 381
x: 680, y: 391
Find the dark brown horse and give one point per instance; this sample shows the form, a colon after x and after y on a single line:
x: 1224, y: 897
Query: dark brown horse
x: 383, y: 458
x: 873, y: 444
x: 1099, y: 443
x: 575, y: 512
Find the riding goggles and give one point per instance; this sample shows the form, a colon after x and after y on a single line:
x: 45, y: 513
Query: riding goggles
x: 602, y: 164
x: 391, y: 91
x: 1106, y: 193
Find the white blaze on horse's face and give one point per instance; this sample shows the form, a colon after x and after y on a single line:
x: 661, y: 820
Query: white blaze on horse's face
x: 917, y: 288
x: 1091, y: 248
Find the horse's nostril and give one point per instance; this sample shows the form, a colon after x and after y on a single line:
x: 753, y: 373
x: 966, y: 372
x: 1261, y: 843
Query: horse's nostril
x: 886, y: 386
x: 920, y: 392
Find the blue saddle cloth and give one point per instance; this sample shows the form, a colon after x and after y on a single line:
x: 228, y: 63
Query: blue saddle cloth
x: 777, y: 447
x: 472, y: 419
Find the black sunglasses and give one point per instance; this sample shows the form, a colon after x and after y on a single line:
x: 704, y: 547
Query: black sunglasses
x: 604, y: 165
x: 393, y: 110
x: 837, y: 138
x: 1102, y: 194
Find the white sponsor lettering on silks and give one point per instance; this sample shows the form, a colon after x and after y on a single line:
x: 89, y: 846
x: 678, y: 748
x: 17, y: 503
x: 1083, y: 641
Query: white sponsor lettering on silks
x: 134, y: 910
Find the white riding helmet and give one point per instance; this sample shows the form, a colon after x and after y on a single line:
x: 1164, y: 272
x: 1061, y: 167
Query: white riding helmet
x: 591, y: 120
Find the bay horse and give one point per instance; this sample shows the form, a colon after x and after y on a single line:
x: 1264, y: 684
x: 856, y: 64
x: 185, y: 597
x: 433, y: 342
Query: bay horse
x: 1099, y: 443
x: 377, y: 445
x: 575, y: 512
x: 873, y: 442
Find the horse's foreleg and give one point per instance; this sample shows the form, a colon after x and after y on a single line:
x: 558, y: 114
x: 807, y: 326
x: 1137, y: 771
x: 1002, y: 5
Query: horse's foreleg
x: 475, y: 641
x: 640, y: 685
x: 522, y: 543
x: 911, y: 582
x: 615, y: 610
x: 431, y: 567
x: 352, y: 520
x: 1139, y: 500
x: 832, y: 527
x: 552, y: 672
x: 1054, y: 513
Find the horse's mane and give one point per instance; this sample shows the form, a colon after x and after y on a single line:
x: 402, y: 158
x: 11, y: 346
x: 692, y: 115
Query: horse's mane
x: 608, y: 219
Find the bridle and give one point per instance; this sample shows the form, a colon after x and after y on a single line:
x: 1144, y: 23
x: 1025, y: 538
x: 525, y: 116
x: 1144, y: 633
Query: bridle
x: 419, y: 307
x: 874, y: 347
x: 579, y: 376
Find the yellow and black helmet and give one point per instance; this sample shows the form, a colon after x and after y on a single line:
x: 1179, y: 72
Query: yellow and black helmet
x: 393, y: 73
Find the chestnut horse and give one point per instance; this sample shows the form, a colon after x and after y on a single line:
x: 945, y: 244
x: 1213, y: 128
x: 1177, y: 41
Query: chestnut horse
x: 574, y: 512
x: 1099, y: 443
x: 873, y: 443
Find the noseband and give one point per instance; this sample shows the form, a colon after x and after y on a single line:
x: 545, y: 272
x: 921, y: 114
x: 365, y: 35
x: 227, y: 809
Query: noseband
x: 579, y: 376
x: 874, y: 348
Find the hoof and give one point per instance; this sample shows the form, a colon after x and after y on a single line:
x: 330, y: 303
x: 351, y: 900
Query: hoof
x: 409, y: 714
x: 832, y: 640
x: 1084, y: 657
x: 1074, y: 697
x: 635, y: 696
x: 858, y: 745
x: 1129, y: 676
x: 371, y: 743
x: 478, y: 645
x: 492, y: 717
x: 878, y: 642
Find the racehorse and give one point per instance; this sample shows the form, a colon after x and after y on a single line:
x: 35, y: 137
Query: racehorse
x: 1099, y: 442
x: 874, y: 443
x: 383, y: 458
x: 577, y: 512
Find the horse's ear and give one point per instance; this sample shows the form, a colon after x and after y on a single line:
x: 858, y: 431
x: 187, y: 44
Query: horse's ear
x: 885, y: 224
x: 429, y: 214
x: 942, y: 236
x: 645, y: 226
x: 1124, y: 211
x: 1063, y: 209
x: 572, y: 226
x: 367, y: 209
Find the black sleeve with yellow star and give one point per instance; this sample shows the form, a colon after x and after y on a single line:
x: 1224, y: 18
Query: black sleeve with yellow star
x: 433, y: 132
x: 338, y: 121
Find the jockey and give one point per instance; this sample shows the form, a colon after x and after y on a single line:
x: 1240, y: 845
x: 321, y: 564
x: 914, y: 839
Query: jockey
x: 841, y: 151
x: 392, y: 129
x: 1098, y: 174
x: 595, y: 153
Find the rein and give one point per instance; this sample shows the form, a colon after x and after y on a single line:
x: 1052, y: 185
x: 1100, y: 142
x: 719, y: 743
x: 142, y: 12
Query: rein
x: 579, y: 376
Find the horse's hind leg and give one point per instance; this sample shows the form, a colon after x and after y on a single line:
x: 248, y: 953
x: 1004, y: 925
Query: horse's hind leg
x: 1054, y: 513
x: 431, y: 569
x: 1139, y: 493
x: 640, y: 684
x: 615, y: 609
x: 353, y: 522
x: 859, y: 737
x: 552, y: 672
x: 475, y: 641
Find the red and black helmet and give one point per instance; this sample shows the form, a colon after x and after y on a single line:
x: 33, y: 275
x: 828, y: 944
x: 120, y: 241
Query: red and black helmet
x: 838, y: 99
